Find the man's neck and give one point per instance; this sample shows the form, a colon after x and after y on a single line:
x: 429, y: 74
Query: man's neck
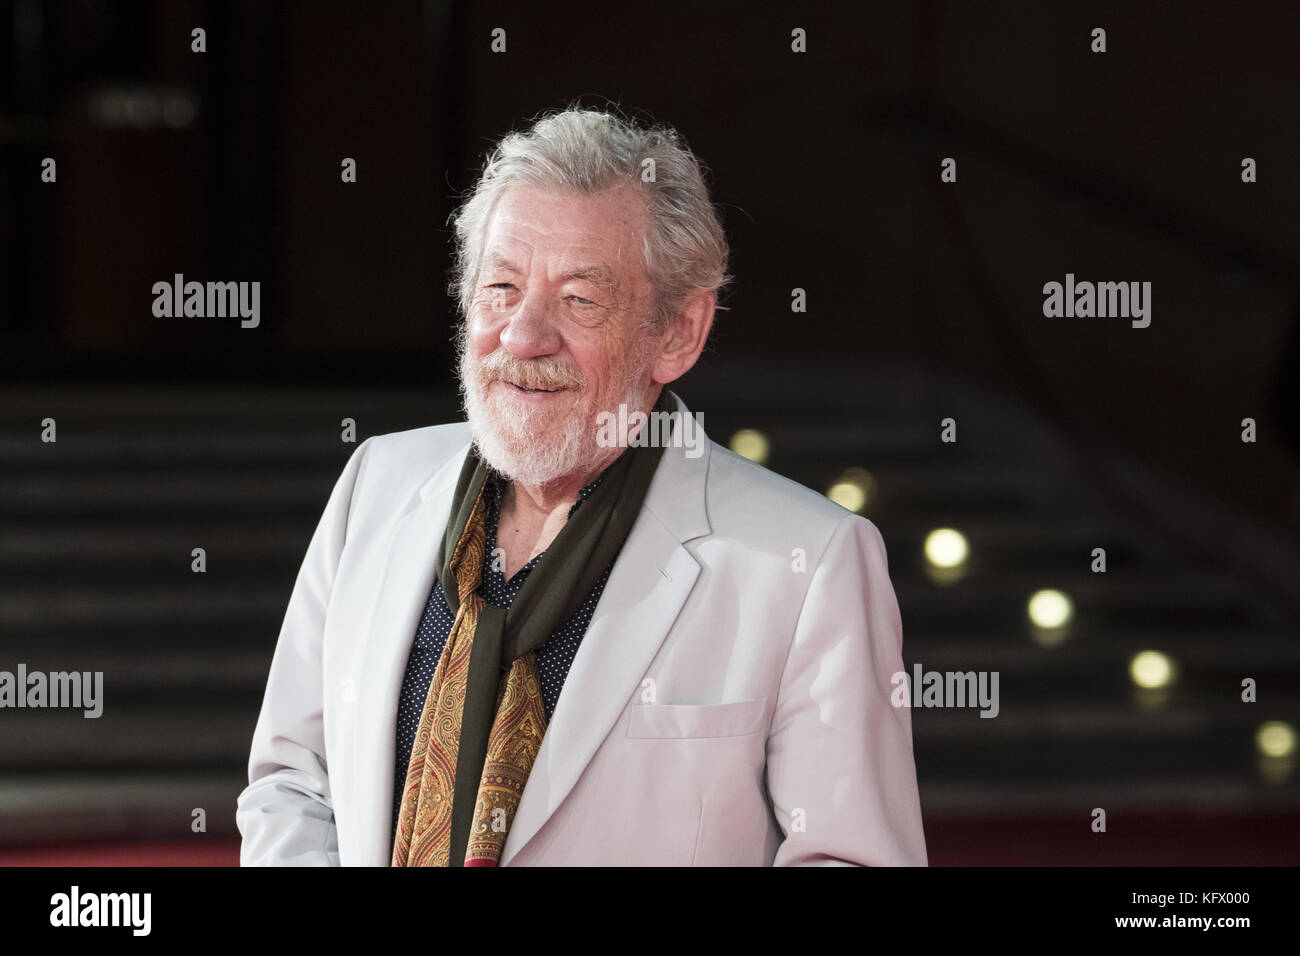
x: 532, y: 515
x: 536, y: 502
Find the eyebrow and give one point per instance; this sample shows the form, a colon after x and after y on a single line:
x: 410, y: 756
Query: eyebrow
x: 496, y: 260
x: 597, y: 274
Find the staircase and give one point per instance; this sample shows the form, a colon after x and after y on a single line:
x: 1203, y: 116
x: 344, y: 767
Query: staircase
x: 97, y: 530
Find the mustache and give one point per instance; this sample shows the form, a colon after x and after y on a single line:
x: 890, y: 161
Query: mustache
x: 545, y: 371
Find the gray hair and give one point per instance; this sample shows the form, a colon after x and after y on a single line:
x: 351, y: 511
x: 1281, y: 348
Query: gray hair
x: 586, y: 152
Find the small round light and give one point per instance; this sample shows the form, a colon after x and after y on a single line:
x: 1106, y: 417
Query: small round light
x: 1049, y: 608
x: 1276, y: 738
x: 848, y: 494
x: 854, y: 489
x: 946, y: 548
x: 1151, y: 669
x: 752, y: 444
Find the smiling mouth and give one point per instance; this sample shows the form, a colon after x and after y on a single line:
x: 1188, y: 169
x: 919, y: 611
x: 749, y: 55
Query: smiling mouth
x: 535, y: 391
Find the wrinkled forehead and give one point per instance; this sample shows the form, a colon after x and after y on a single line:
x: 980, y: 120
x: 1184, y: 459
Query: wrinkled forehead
x: 532, y: 227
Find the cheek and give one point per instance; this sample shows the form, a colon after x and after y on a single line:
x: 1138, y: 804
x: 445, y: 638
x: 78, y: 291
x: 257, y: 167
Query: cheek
x: 484, y: 334
x: 604, y: 356
x: 594, y: 363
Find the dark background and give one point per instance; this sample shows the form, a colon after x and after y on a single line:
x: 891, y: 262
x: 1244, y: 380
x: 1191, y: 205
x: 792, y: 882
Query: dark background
x: 924, y: 302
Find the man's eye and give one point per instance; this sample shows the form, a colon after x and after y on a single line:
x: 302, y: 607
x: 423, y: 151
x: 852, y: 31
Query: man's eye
x: 581, y: 301
x: 501, y: 285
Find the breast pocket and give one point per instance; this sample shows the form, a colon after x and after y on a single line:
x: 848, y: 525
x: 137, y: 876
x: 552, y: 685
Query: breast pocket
x: 689, y: 721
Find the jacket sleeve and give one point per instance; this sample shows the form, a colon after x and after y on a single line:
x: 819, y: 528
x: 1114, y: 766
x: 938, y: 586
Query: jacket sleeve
x: 285, y: 814
x: 840, y: 770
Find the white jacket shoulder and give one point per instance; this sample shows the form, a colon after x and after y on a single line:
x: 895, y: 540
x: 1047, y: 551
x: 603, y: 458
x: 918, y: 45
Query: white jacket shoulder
x: 398, y: 463
x: 430, y: 445
x: 746, y: 498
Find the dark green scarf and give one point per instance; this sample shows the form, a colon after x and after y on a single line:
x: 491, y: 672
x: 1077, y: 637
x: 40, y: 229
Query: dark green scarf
x: 555, y: 589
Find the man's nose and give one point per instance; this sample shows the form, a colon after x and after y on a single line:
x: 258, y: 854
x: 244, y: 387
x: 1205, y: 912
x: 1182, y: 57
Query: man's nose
x: 529, y: 330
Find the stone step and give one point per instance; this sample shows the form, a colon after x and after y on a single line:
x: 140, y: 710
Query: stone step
x: 192, y: 730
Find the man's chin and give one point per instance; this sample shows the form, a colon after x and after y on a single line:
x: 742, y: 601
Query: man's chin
x: 535, y: 451
x: 525, y: 466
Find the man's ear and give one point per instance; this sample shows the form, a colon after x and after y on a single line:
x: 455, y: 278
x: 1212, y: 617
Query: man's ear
x: 683, y: 340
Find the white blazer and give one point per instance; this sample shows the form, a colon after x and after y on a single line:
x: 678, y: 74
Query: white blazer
x: 728, y: 706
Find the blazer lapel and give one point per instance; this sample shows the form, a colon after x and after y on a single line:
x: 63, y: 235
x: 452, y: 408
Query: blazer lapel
x: 651, y: 579
x: 407, y: 581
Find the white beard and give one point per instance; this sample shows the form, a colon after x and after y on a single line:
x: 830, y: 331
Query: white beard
x: 538, y: 446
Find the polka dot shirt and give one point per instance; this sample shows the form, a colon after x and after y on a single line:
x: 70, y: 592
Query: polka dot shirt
x: 553, y: 658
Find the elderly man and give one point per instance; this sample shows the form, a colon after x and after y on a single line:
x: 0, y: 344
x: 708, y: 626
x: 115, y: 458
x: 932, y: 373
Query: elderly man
x: 534, y: 639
